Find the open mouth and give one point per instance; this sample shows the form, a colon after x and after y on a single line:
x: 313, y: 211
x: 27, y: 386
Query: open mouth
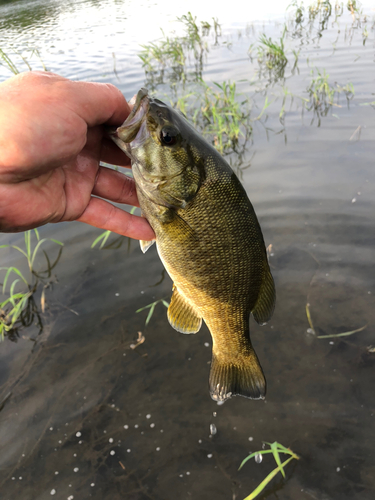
x: 133, y: 132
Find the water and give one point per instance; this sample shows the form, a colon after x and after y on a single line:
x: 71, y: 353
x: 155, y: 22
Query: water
x: 79, y: 392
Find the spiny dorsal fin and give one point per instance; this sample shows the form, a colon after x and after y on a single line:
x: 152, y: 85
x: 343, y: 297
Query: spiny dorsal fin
x: 181, y: 314
x: 240, y: 377
x: 265, y: 305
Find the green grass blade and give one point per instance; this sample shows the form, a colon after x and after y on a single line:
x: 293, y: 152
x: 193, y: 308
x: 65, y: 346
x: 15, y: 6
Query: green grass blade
x: 275, y: 451
x: 265, y: 481
x: 344, y: 334
x: 150, y: 313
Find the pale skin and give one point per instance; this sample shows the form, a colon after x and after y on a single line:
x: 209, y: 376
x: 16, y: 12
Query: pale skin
x: 51, y: 142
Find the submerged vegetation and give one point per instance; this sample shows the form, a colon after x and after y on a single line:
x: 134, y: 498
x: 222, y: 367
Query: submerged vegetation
x: 19, y: 309
x: 275, y: 448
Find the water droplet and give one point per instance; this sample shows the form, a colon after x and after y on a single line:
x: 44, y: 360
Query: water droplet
x: 78, y: 434
x: 209, y: 455
x: 148, y: 416
x: 152, y: 426
x: 53, y: 492
x: 258, y: 458
x: 126, y: 427
x: 70, y: 497
x: 117, y: 294
x: 56, y: 472
x: 76, y: 469
x: 92, y: 485
x: 206, y: 344
x: 338, y: 469
x: 310, y: 331
x: 214, y: 414
x: 354, y: 200
x: 51, y: 428
x: 128, y: 450
x: 112, y: 452
x: 213, y: 429
x: 219, y: 403
x: 188, y: 473
x: 251, y: 438
x: 136, y: 426
x: 110, y: 440
x: 158, y: 448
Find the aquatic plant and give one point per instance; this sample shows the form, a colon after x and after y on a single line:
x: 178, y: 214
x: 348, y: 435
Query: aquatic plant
x: 20, y: 309
x: 151, y: 308
x: 8, y: 61
x: 275, y: 448
x: 322, y: 94
x: 171, y: 53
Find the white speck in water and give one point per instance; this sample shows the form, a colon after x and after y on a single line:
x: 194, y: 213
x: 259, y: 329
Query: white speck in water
x: 51, y: 428
x: 310, y: 331
x: 20, y: 478
x: 152, y: 426
x: 213, y: 429
x: 92, y: 485
x: 199, y: 441
x: 142, y: 433
x: 60, y: 442
x: 181, y: 475
x: 53, y: 492
x: 258, y: 458
x: 209, y: 455
x: 56, y: 472
x: 161, y: 430
x: 124, y: 354
x: 78, y: 434
x: 206, y: 344
x: 354, y: 200
x: 112, y: 452
x: 148, y: 416
x: 75, y: 454
x: 338, y: 469
x: 13, y: 478
x: 71, y: 497
x: 110, y: 440
x: 332, y: 343
x: 104, y: 432
x: 219, y: 403
x: 80, y: 442
x: 158, y: 448
x: 136, y: 426
x: 188, y: 473
x: 126, y: 427
x: 128, y: 450
x: 359, y: 193
x: 76, y: 469
x: 142, y: 291
x: 214, y: 414
x: 234, y: 428
x: 117, y: 294
x: 251, y: 438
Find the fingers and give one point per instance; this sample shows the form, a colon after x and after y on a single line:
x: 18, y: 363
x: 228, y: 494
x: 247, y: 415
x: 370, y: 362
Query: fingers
x: 112, y: 154
x: 100, y: 213
x: 116, y: 187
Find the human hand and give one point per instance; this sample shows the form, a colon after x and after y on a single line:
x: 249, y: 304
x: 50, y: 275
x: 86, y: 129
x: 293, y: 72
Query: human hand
x: 51, y: 143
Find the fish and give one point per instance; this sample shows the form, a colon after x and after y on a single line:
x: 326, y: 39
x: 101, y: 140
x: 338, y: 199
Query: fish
x: 207, y: 237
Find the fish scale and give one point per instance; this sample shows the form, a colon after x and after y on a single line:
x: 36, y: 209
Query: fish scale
x: 208, y: 238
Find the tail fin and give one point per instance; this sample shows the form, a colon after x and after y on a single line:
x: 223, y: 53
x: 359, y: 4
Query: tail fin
x: 242, y: 377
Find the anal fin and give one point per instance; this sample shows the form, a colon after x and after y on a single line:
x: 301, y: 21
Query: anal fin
x: 265, y: 304
x: 181, y: 314
x: 240, y: 377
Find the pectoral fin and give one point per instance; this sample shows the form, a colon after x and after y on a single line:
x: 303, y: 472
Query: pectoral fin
x: 265, y: 304
x: 145, y: 245
x: 181, y: 314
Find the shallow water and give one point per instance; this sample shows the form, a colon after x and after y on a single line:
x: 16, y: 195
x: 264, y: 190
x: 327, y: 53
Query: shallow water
x: 90, y: 417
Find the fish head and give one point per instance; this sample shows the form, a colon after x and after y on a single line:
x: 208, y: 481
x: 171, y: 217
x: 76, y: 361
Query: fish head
x: 167, y: 153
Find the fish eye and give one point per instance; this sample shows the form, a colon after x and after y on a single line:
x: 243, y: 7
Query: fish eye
x: 168, y: 136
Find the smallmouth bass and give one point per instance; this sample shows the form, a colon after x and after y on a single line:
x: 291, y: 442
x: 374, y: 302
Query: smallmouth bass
x: 208, y: 238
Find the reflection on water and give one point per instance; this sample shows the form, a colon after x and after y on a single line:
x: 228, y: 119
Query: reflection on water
x: 104, y: 406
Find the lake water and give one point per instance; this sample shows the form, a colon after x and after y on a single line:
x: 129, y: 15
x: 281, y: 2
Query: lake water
x: 90, y: 417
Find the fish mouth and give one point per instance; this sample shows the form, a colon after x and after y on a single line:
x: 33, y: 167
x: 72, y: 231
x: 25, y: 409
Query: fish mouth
x: 133, y: 132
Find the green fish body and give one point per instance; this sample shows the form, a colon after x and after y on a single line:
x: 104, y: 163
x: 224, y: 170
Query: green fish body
x: 208, y: 238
